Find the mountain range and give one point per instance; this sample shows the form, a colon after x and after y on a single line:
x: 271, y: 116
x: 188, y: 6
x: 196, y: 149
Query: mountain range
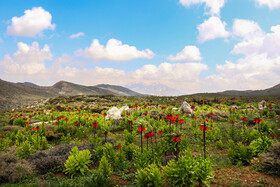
x: 16, y: 94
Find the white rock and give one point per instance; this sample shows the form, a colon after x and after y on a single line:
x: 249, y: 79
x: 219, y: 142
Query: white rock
x: 115, y: 113
x: 186, y: 108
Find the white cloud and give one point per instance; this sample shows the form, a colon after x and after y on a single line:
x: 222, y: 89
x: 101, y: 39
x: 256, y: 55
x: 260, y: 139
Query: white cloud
x: 27, y: 61
x: 246, y: 29
x: 272, y: 4
x: 213, y: 5
x: 189, y: 53
x: 211, y: 29
x: 77, y: 35
x: 31, y: 23
x: 114, y: 51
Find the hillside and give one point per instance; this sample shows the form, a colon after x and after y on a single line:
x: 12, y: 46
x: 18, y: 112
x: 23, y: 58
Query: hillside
x: 16, y: 94
x: 273, y: 91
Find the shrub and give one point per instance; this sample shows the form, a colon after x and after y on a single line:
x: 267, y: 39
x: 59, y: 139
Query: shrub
x: 149, y: 176
x: 19, y: 122
x: 204, y: 171
x: 129, y: 137
x: 24, y: 150
x: 13, y: 169
x: 66, y: 139
x: 4, y: 143
x: 105, y: 168
x: 261, y: 145
x: 109, y: 153
x: 77, y: 162
x: 181, y: 172
x: 240, y: 153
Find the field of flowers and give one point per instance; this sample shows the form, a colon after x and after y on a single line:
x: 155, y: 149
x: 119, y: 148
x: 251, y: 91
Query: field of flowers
x: 146, y: 141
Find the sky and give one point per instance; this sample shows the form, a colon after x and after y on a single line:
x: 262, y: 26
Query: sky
x: 188, y: 45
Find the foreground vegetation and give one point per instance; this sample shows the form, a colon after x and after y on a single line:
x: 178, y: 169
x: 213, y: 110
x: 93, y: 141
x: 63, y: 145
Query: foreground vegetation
x: 153, y: 141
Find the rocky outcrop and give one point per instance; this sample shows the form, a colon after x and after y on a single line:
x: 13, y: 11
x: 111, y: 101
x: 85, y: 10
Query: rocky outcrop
x: 271, y: 160
x: 218, y: 115
x: 186, y: 109
x: 115, y: 113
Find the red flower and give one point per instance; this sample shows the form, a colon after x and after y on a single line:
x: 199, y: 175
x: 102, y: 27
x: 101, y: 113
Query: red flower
x: 127, y: 114
x: 95, y: 125
x: 202, y: 128
x: 244, y: 119
x: 105, y: 133
x: 104, y: 114
x: 232, y: 122
x: 147, y: 135
x: 207, y: 119
x: 152, y: 133
x: 76, y: 122
x: 66, y: 119
x: 195, y: 118
x: 160, y: 132
x: 176, y: 138
x: 193, y: 107
x: 257, y: 120
x: 122, y: 116
x: 163, y: 108
x: 119, y: 146
x: 130, y: 122
x: 141, y: 129
x: 27, y: 123
x: 272, y: 135
x: 24, y: 118
x: 211, y: 114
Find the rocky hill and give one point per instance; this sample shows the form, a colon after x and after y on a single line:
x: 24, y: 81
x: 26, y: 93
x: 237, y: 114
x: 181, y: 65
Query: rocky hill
x: 17, y: 94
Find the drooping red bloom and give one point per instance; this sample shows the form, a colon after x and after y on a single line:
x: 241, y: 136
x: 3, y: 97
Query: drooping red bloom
x: 152, y: 133
x: 163, y: 108
x: 193, y: 107
x: 104, y: 115
x: 181, y: 121
x: 24, y: 118
x: 257, y: 120
x: 147, y: 135
x: 195, y: 118
x: 27, y: 123
x: 202, y: 128
x: 130, y: 122
x: 160, y: 132
x: 66, y: 120
x: 76, y: 122
x: 146, y: 112
x: 207, y: 119
x: 244, y: 119
x: 141, y: 129
x: 95, y: 125
x: 119, y: 146
x: 122, y: 116
x: 127, y: 114
x: 272, y: 135
x: 232, y: 122
x: 176, y: 138
x: 105, y: 133
x: 211, y: 114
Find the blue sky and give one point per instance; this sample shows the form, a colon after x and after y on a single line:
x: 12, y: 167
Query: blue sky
x: 189, y: 45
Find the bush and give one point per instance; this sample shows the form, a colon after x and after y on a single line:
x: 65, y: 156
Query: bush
x: 181, y: 172
x: 105, y: 168
x: 204, y: 171
x: 13, y: 169
x: 25, y: 150
x: 19, y: 122
x: 129, y: 137
x: 77, y: 162
x: 240, y: 153
x: 261, y: 145
x: 149, y: 176
x: 4, y: 143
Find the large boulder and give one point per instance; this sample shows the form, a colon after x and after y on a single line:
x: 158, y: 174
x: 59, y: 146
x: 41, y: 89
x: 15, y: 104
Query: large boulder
x: 261, y: 105
x: 218, y: 115
x: 271, y: 160
x: 115, y: 113
x: 186, y: 108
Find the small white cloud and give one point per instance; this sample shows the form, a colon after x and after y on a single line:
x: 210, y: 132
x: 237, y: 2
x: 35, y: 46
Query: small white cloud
x: 211, y: 29
x: 213, y: 5
x: 29, y: 60
x: 31, y: 23
x: 77, y: 35
x: 189, y: 53
x: 246, y: 29
x: 114, y: 51
x: 272, y: 4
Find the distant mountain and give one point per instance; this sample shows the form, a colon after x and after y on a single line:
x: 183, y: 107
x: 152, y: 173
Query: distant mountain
x: 28, y: 84
x: 273, y: 91
x: 155, y: 89
x: 16, y: 94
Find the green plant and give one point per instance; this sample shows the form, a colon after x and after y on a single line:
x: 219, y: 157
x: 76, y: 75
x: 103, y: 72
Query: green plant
x: 66, y: 139
x: 219, y: 144
x: 77, y: 162
x: 204, y: 171
x: 149, y: 176
x: 261, y: 145
x: 129, y: 137
x: 109, y: 153
x: 19, y: 122
x: 104, y: 167
x: 4, y: 143
x: 181, y: 172
x: 239, y: 153
x: 24, y: 150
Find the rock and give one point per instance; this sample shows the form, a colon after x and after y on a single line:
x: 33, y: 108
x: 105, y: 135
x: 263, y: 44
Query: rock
x: 115, y: 113
x: 218, y: 115
x: 186, y: 108
x: 262, y: 105
x: 154, y: 114
x: 271, y: 160
x: 175, y: 109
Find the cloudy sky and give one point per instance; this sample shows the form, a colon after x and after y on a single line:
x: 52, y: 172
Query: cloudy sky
x: 189, y: 45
